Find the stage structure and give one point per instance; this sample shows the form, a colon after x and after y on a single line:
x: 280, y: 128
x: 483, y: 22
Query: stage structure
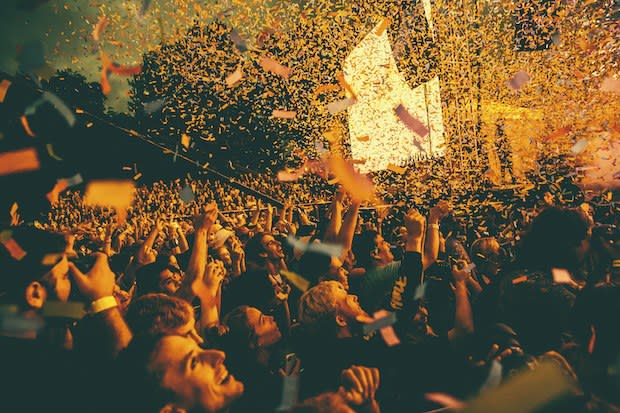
x: 457, y: 24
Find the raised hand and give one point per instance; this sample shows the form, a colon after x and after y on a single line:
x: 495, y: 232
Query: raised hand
x: 414, y: 223
x: 359, y: 385
x: 98, y: 282
x: 439, y: 211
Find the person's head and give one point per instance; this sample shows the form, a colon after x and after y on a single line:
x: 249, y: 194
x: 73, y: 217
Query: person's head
x: 162, y: 276
x: 263, y: 248
x: 224, y: 255
x: 156, y: 314
x: 328, y: 308
x: 172, y: 373
x: 251, y: 329
x: 371, y: 250
x: 557, y: 237
x: 317, y: 267
x: 486, y: 253
x: 33, y: 267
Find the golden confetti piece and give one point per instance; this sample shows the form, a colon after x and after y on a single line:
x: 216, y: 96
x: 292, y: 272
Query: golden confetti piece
x: 345, y: 85
x: 117, y: 194
x: 4, y: 88
x: 326, y: 88
x: 234, y: 77
x: 610, y: 85
x: 23, y: 160
x: 270, y: 65
x: 14, y: 249
x: 364, y: 138
x: 394, y: 168
x: 89, y: 124
x: 385, y: 23
x: 137, y: 176
x: 357, y: 185
x: 185, y: 139
x: 99, y: 28
x: 283, y: 114
x: 26, y: 126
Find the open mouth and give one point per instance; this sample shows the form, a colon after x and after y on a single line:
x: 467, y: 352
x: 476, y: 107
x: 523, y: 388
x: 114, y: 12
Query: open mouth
x: 226, y: 377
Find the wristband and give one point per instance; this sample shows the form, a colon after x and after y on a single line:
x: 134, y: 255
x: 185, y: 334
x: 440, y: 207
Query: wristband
x: 436, y: 226
x: 103, y: 304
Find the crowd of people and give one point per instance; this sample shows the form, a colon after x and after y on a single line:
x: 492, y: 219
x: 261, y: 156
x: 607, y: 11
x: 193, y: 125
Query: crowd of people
x: 207, y: 299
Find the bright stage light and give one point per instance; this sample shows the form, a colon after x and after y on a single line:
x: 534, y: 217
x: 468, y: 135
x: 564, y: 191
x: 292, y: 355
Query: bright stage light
x: 371, y: 71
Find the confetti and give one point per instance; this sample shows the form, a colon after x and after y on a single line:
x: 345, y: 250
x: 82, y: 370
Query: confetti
x: 364, y: 138
x: 579, y: 146
x: 236, y: 38
x: 542, y: 385
x: 283, y: 114
x: 297, y: 280
x: 394, y: 168
x: 185, y: 139
x: 60, y: 106
x: 420, y: 291
x: 4, y: 88
x: 187, y: 194
x: 519, y: 280
x: 332, y: 250
x: 117, y: 194
x: 99, y: 28
x: 518, y: 80
x: 412, y: 123
x: 14, y: 249
x: 234, y: 77
x: 23, y: 160
x: 381, y: 320
x: 384, y: 320
x: 69, y: 310
x: 153, y: 106
x: 270, y: 65
x: 357, y: 185
x: 340, y: 105
x: 385, y: 23
x: 610, y: 85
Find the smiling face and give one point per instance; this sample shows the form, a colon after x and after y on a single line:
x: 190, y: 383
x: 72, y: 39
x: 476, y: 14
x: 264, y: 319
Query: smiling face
x: 272, y: 247
x: 197, y: 377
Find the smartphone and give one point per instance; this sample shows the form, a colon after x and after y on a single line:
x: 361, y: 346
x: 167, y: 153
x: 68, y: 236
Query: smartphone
x: 290, y: 360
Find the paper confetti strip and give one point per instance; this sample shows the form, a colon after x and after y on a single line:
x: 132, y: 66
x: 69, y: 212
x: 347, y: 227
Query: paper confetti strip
x: 23, y: 160
x: 412, y: 123
x: 394, y: 168
x: 14, y: 249
x: 297, y: 280
x: 236, y: 38
x: 332, y: 250
x: 610, y: 85
x: 118, y: 194
x: 4, y: 88
x: 340, y: 105
x: 284, y: 114
x: 382, y: 320
x: 234, y: 77
x: 542, y: 385
x: 385, y: 23
x: 270, y: 65
x: 187, y: 195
